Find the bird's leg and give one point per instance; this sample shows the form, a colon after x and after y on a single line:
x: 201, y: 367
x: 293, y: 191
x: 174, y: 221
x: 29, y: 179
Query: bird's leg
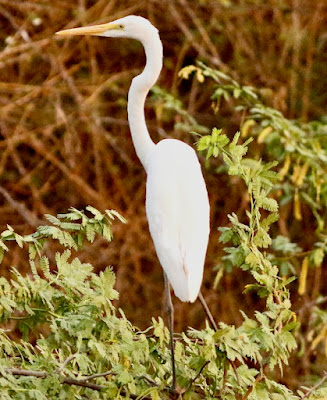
x: 207, y: 311
x: 170, y: 313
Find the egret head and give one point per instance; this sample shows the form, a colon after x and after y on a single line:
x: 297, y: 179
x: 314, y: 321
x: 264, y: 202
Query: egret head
x: 132, y: 26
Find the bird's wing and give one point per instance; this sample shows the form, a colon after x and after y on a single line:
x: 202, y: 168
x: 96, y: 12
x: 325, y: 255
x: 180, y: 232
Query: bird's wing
x: 177, y: 208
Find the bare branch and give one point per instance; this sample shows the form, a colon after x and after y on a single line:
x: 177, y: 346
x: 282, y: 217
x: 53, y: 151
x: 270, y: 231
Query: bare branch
x: 319, y: 383
x: 28, y: 216
x: 207, y: 311
x: 69, y: 381
x: 71, y: 357
x: 257, y: 380
x: 99, y: 375
x: 199, y: 373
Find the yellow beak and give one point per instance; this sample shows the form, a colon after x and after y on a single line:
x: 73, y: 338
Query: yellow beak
x: 89, y: 30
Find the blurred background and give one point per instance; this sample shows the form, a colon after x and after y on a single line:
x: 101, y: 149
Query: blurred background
x: 65, y: 141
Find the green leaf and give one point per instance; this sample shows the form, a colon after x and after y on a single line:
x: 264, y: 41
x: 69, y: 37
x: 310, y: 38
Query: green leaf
x: 262, y: 239
x: 269, y: 204
x: 252, y: 259
x: 227, y: 234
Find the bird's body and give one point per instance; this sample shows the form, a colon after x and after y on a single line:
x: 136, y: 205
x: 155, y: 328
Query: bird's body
x: 177, y: 209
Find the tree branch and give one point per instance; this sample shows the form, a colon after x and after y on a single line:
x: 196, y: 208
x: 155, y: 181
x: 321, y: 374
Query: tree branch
x: 62, y: 367
x: 69, y: 381
x: 28, y: 216
x: 319, y: 383
x: 257, y: 380
x: 43, y: 374
x: 99, y: 375
x: 199, y: 373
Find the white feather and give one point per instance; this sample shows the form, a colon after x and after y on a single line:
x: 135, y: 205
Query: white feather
x: 177, y: 209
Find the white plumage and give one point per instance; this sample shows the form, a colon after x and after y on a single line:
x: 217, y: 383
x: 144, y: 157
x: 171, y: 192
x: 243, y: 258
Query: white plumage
x: 177, y: 203
x: 177, y: 208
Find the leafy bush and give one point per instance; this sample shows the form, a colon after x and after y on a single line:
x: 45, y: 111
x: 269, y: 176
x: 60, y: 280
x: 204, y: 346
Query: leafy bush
x: 78, y: 141
x: 74, y: 343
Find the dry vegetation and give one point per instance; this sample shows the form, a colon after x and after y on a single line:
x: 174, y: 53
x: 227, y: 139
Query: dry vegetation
x: 63, y: 124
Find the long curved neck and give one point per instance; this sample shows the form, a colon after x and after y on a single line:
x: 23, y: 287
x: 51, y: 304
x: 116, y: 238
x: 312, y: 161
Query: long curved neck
x: 138, y: 91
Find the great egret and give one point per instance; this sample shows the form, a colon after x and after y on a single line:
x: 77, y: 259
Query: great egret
x: 177, y: 204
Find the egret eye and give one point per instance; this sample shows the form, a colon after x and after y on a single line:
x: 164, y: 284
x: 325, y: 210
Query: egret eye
x: 121, y: 26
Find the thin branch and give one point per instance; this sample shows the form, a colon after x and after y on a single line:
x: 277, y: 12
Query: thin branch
x: 26, y: 372
x: 257, y: 380
x: 224, y: 377
x: 199, y: 373
x: 68, y: 381
x: 71, y: 357
x: 207, y: 311
x: 28, y: 216
x: 149, y: 380
x: 99, y: 375
x: 43, y: 374
x: 235, y: 371
x: 319, y: 383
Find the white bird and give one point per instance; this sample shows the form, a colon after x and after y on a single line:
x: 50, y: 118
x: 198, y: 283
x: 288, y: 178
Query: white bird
x: 177, y: 204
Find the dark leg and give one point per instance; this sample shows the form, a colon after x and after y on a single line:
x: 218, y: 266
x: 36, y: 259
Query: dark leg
x: 170, y: 312
x: 207, y: 311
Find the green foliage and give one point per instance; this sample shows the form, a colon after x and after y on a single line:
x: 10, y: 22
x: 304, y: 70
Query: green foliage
x: 85, y: 348
x: 247, y: 240
x: 61, y: 335
x: 301, y: 148
x: 168, y: 102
